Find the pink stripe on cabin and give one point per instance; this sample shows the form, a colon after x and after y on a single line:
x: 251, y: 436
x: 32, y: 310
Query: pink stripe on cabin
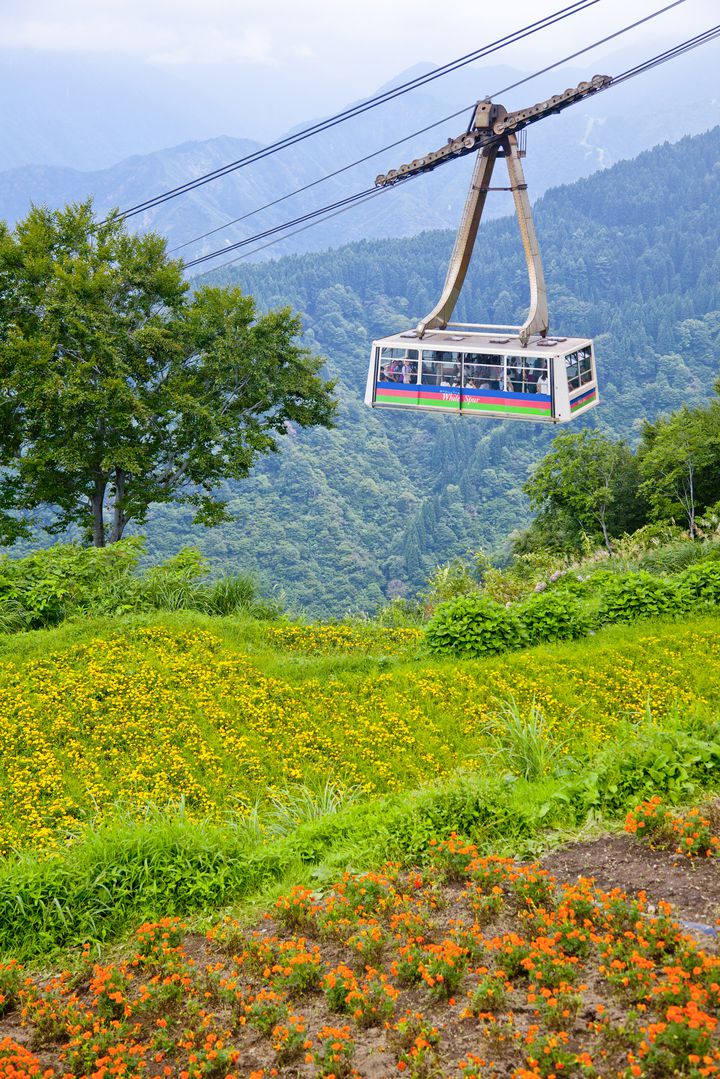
x: 397, y: 393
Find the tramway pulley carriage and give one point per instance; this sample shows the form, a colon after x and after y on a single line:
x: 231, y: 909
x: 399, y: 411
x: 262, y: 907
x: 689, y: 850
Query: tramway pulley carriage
x: 502, y: 372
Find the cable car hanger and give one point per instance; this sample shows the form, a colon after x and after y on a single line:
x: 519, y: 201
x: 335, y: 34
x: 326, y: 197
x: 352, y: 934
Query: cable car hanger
x: 461, y: 368
x: 492, y: 133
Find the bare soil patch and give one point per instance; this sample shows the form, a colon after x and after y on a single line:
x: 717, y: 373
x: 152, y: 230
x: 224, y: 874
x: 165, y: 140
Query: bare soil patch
x: 620, y: 861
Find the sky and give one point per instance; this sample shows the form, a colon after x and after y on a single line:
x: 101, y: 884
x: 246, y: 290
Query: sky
x: 289, y: 61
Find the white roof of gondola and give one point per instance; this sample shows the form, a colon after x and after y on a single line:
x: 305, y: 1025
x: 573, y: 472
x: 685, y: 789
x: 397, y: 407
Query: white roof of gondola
x: 461, y: 340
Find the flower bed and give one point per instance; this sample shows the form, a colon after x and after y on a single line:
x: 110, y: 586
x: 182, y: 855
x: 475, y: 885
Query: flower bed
x: 479, y: 966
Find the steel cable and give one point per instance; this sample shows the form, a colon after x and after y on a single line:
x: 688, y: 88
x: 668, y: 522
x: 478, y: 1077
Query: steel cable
x: 424, y: 130
x: 660, y: 58
x: 357, y: 110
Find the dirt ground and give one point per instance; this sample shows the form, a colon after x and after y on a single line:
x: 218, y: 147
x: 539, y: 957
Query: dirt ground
x: 619, y: 861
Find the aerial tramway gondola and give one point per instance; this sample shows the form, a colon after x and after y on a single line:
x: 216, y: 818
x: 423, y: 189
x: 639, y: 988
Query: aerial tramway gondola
x: 470, y: 369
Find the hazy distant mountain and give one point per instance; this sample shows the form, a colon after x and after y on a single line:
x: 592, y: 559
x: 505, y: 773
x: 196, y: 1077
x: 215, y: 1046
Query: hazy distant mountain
x: 595, y: 134
x: 89, y: 112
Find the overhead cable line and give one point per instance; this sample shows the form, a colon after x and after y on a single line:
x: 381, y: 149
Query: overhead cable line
x: 424, y: 130
x: 670, y: 54
x: 321, y: 179
x: 357, y: 110
x: 587, y: 48
x: 286, y: 236
x: 712, y: 33
x: 359, y: 196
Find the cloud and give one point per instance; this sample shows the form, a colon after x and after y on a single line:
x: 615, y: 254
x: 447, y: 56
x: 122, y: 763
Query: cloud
x: 380, y: 36
x: 253, y: 47
x: 183, y: 37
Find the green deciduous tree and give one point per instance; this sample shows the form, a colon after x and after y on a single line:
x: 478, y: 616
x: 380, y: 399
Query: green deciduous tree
x: 589, y: 481
x: 118, y: 388
x: 680, y: 463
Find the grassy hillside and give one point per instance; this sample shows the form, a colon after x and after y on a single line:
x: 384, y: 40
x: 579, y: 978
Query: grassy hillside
x: 173, y: 763
x: 221, y: 715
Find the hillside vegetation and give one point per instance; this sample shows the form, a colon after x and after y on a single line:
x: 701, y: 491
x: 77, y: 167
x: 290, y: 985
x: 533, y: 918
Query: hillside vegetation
x: 155, y: 713
x: 342, y: 520
x: 167, y: 763
x: 169, y: 774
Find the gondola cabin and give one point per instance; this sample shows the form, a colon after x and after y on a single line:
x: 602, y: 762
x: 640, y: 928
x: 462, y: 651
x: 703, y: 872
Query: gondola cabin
x: 485, y: 375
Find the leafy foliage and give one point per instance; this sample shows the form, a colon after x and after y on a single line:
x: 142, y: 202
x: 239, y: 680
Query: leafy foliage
x: 472, y: 626
x: 639, y: 595
x: 589, y: 480
x: 55, y: 583
x: 701, y: 582
x: 476, y: 625
x: 680, y: 463
x: 49, y: 585
x: 553, y: 616
x: 119, y: 391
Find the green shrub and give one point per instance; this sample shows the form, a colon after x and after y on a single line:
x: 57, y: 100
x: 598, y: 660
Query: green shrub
x: 553, y: 616
x: 639, y: 595
x: 701, y: 583
x: 47, y: 586
x: 449, y: 581
x: 473, y: 626
x: 672, y: 763
x: 569, y: 584
x: 649, y: 539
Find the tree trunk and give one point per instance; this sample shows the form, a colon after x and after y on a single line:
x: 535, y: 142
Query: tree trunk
x: 119, y: 515
x: 606, y: 537
x: 691, y: 499
x: 98, y: 499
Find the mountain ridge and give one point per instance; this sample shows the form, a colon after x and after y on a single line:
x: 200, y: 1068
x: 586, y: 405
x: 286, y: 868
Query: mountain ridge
x: 593, y: 134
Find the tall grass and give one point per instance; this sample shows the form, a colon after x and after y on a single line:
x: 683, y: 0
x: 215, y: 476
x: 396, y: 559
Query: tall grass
x: 228, y: 595
x: 521, y: 742
x: 301, y: 804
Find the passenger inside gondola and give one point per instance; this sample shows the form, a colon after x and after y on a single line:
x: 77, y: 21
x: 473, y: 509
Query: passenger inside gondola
x: 525, y: 374
x: 483, y: 372
x: 398, y: 365
x: 409, y: 371
x: 441, y: 369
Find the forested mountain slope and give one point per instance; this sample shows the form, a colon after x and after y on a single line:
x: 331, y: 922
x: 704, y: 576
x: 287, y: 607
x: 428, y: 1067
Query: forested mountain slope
x: 343, y: 519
